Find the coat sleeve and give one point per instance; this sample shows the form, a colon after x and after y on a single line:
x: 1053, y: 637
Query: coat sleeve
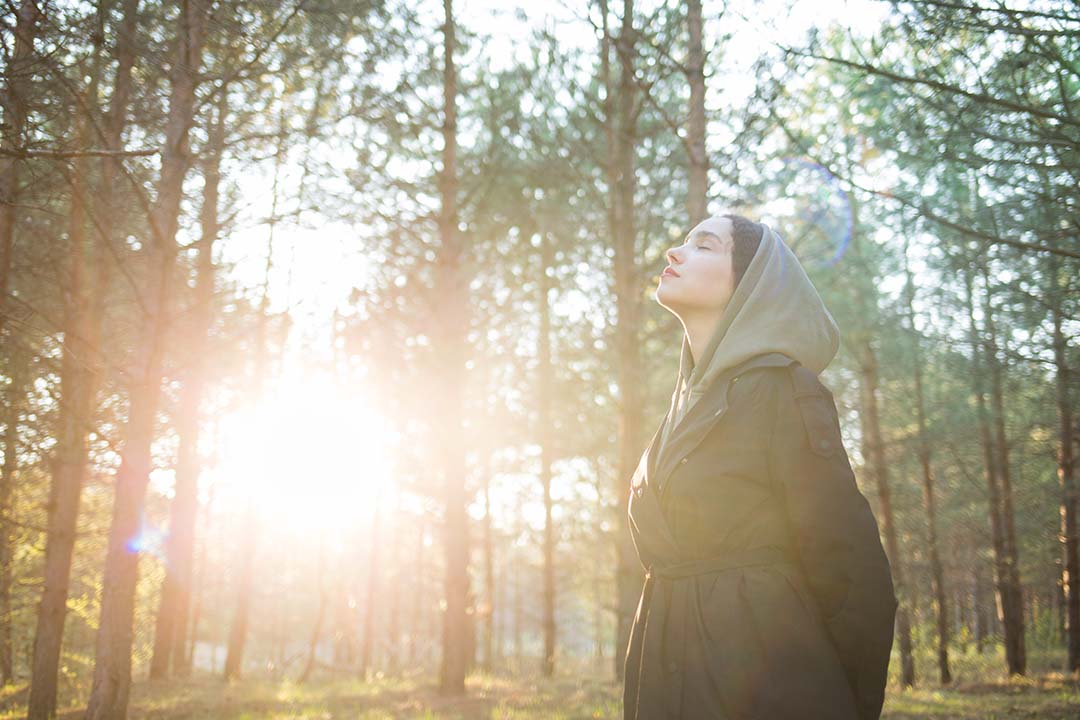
x: 834, y: 533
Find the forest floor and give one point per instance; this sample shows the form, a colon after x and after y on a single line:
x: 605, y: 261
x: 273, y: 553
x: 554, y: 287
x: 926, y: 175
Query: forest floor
x: 1039, y: 698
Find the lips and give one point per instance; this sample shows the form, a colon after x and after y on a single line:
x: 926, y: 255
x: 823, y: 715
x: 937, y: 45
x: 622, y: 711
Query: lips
x: 668, y: 272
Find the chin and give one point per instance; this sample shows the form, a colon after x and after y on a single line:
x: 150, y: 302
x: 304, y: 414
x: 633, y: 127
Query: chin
x: 666, y: 299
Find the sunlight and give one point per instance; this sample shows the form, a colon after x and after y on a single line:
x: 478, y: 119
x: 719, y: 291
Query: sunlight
x: 310, y: 453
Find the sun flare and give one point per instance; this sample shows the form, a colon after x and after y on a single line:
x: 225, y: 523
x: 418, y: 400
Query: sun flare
x: 310, y: 453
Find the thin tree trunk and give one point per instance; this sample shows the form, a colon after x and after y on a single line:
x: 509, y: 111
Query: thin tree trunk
x: 874, y: 452
x: 545, y: 390
x: 697, y: 195
x: 1002, y: 579
x: 393, y: 624
x: 937, y: 574
x: 1070, y: 534
x: 12, y: 130
x: 377, y: 543
x: 198, y: 588
x: 112, y: 668
x: 979, y: 608
x: 80, y: 366
x: 15, y: 398
x: 316, y: 631
x: 489, y: 578
x: 417, y: 600
x: 451, y: 333
x: 77, y: 368
x: 517, y: 613
x: 171, y: 627
x: 1016, y: 653
x: 620, y: 127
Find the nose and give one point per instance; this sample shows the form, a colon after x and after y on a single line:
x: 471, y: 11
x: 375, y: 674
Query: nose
x: 672, y: 256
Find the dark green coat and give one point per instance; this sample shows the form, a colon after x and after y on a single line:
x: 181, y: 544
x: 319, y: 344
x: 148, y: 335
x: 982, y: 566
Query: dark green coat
x: 768, y: 595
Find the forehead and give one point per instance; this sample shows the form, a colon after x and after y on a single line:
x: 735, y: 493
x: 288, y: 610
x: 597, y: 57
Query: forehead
x: 718, y: 230
x: 722, y: 239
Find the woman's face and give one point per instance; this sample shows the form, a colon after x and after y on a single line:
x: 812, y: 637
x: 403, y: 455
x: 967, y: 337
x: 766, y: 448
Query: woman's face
x: 699, y: 278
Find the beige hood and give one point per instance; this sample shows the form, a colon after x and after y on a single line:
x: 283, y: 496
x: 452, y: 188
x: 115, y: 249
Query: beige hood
x: 775, y: 308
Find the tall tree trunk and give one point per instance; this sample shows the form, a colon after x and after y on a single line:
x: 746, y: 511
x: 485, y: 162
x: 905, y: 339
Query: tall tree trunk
x: 198, y: 587
x: 80, y: 367
x: 621, y: 108
x: 489, y: 578
x: 77, y: 369
x: 1014, y: 620
x: 316, y: 631
x: 937, y: 574
x: 372, y: 589
x: 174, y: 604
x: 979, y: 608
x: 15, y: 398
x: 112, y: 668
x: 234, y: 653
x: 419, y: 590
x: 1070, y: 497
x: 451, y: 332
x: 547, y: 441
x: 12, y: 131
x: 1002, y: 577
x: 698, y: 186
x: 874, y: 452
x: 394, y: 566
x: 14, y: 98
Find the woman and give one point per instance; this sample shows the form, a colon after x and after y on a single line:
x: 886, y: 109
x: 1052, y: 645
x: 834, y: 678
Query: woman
x: 767, y: 592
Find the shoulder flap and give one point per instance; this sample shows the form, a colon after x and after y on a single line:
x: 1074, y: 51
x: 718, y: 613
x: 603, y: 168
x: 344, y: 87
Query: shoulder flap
x: 822, y: 428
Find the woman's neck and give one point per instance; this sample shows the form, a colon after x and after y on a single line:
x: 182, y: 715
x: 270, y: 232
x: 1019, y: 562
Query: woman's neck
x: 699, y: 331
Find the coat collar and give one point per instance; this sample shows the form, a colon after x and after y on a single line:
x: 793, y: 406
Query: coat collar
x: 699, y: 419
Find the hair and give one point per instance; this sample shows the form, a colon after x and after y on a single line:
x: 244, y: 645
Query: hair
x: 746, y: 237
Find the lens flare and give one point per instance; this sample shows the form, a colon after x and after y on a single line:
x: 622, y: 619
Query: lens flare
x: 815, y: 212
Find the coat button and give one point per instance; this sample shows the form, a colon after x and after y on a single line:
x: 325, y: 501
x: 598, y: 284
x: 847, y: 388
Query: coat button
x: 673, y: 667
x: 823, y: 444
x: 683, y: 461
x: 639, y: 490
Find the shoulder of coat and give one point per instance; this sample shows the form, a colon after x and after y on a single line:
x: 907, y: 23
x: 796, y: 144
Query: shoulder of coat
x: 815, y: 404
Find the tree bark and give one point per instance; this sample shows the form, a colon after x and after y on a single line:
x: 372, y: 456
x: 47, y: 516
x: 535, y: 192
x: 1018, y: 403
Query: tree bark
x: 698, y: 183
x: 78, y: 366
x: 489, y: 578
x: 316, y: 631
x: 12, y: 131
x: 112, y: 668
x: 1002, y: 576
x: 372, y: 590
x: 81, y: 365
x: 874, y: 452
x: 620, y: 127
x: 1016, y: 654
x: 547, y: 441
x: 175, y: 601
x: 15, y: 398
x: 937, y: 574
x: 450, y: 337
x: 15, y: 97
x: 1070, y: 534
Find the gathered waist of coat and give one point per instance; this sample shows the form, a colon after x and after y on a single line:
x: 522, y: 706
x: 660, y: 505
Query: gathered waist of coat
x: 766, y: 555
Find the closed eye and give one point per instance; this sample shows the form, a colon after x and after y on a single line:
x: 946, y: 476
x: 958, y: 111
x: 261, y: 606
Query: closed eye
x: 704, y: 247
